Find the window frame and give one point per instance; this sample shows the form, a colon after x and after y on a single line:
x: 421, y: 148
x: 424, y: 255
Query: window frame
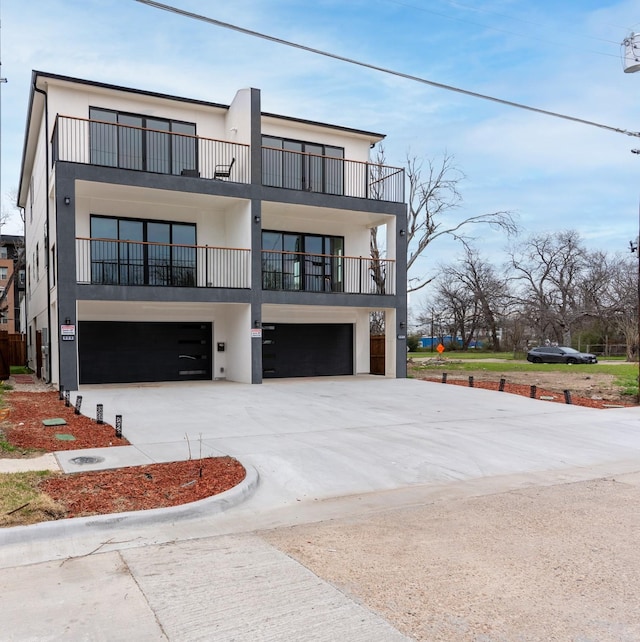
x: 296, y: 164
x: 144, y: 139
x: 134, y: 263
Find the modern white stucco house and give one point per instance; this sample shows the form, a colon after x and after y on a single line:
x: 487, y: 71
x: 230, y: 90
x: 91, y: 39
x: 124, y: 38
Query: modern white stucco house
x: 175, y: 239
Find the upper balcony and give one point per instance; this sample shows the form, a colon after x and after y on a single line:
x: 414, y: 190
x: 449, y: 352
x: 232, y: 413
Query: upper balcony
x: 95, y: 142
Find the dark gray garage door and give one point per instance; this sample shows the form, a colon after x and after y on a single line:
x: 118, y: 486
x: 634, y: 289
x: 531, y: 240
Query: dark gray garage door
x: 123, y: 352
x: 307, y: 350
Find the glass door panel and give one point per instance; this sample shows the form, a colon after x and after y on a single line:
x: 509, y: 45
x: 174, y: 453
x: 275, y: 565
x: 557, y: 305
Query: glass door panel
x: 183, y: 255
x: 130, y: 142
x: 103, y: 138
x: 185, y: 151
x: 314, y: 263
x: 158, y: 153
x: 291, y: 262
x: 292, y: 165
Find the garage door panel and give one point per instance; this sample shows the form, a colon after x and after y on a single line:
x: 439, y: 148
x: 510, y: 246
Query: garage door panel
x: 123, y: 352
x: 307, y: 350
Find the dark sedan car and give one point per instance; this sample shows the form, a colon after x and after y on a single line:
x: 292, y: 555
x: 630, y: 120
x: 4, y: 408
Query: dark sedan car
x: 553, y: 354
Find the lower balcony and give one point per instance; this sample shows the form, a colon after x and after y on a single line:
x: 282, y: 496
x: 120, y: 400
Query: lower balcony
x: 301, y: 272
x: 111, y: 262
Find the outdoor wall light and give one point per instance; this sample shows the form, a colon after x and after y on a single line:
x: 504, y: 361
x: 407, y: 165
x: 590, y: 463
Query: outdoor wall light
x: 67, y: 200
x: 403, y: 325
x: 402, y: 232
x: 256, y: 324
x: 67, y: 321
x: 256, y: 218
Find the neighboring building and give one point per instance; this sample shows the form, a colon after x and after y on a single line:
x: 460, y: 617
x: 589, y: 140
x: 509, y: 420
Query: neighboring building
x: 12, y: 282
x: 175, y: 239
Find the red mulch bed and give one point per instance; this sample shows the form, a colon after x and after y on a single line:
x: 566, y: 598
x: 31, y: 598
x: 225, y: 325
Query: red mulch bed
x: 108, y: 491
x: 25, y: 428
x: 142, y: 487
x: 525, y: 391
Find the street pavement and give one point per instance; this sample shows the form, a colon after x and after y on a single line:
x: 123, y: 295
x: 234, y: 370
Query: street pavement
x: 317, y: 449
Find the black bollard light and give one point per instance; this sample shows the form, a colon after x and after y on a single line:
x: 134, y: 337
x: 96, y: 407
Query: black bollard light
x: 532, y: 392
x: 470, y: 381
x: 78, y: 404
x: 501, y: 384
x: 67, y: 398
x: 444, y: 377
x: 567, y: 396
x: 119, y: 426
x: 99, y: 414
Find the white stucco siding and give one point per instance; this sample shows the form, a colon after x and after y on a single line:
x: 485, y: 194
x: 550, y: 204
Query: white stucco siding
x: 75, y: 101
x: 356, y: 146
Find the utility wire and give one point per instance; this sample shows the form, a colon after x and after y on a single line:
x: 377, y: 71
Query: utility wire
x: 399, y: 74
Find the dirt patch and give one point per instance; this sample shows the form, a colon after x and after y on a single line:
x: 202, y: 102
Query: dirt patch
x: 597, y: 390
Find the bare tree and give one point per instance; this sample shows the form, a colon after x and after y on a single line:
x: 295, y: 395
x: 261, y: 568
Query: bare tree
x: 433, y: 193
x: 548, y: 269
x: 488, y: 288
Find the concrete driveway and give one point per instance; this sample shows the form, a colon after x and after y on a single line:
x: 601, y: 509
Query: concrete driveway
x: 319, y: 438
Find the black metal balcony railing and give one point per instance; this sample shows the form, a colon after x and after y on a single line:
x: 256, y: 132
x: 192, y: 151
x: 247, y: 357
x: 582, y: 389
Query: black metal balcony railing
x: 330, y: 175
x: 94, y: 142
x: 296, y: 271
x: 112, y: 262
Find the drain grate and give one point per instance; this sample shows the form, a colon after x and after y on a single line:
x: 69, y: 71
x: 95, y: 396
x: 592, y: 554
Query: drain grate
x: 84, y: 460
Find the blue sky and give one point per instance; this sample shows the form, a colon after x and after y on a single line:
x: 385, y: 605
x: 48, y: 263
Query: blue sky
x: 561, y: 56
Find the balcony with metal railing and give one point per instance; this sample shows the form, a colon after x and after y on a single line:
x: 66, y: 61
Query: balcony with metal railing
x: 108, y: 144
x: 93, y: 142
x: 114, y: 262
x: 300, y: 272
x: 331, y: 175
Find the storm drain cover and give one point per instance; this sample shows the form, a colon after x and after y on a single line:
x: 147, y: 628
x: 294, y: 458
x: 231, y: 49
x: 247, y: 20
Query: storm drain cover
x: 63, y: 437
x: 55, y: 421
x: 83, y: 461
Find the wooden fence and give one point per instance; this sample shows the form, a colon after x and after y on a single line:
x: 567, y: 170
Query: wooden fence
x: 13, y: 352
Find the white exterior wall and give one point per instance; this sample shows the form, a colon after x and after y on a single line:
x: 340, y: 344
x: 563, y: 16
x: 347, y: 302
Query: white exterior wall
x: 356, y: 146
x: 35, y: 224
x: 74, y: 101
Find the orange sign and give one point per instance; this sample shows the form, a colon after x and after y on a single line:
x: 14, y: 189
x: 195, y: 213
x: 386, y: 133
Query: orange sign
x: 440, y: 348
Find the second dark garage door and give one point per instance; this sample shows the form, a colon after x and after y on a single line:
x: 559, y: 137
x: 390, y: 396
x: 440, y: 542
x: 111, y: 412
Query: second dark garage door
x: 307, y: 349
x: 125, y: 352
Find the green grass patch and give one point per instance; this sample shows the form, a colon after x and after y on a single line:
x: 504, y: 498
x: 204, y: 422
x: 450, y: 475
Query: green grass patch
x: 623, y: 371
x: 459, y: 354
x: 21, y: 502
x: 14, y: 370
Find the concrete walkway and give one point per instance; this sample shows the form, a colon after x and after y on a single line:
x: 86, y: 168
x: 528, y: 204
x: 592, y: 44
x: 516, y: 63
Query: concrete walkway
x: 322, y: 448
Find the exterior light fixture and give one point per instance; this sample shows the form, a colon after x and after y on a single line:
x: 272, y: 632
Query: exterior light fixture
x: 256, y: 218
x: 402, y: 232
x: 67, y: 200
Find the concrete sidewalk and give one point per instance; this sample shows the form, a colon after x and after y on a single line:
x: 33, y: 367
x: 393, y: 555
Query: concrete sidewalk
x: 323, y: 449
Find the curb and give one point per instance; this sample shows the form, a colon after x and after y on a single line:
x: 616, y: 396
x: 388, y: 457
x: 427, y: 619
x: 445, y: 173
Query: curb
x: 72, y: 527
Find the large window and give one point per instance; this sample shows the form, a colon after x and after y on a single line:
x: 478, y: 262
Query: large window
x: 308, y: 262
x: 138, y: 252
x: 305, y: 166
x: 141, y: 142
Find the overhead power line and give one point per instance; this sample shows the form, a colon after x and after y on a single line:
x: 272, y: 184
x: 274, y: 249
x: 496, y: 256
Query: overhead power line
x: 384, y: 70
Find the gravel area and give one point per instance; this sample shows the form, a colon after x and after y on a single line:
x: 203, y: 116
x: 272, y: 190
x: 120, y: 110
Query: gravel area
x: 543, y: 563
